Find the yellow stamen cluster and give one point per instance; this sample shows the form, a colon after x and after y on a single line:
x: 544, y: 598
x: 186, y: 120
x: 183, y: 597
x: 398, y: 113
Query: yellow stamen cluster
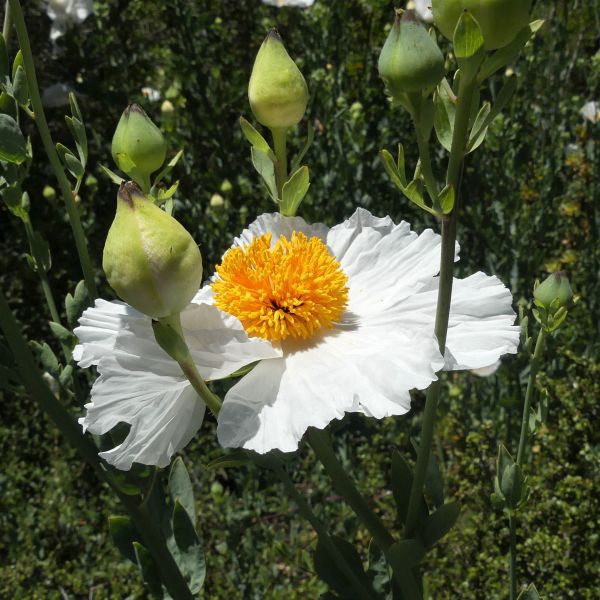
x: 290, y: 289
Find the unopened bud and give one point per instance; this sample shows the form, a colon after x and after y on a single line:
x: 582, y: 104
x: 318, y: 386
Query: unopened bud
x: 217, y: 201
x: 138, y: 146
x: 410, y: 60
x: 555, y: 287
x: 167, y: 107
x: 150, y: 260
x: 500, y: 20
x: 277, y: 90
x: 49, y: 193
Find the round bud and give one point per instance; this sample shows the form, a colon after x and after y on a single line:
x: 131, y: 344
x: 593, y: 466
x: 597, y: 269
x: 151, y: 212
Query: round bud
x: 138, y: 146
x: 149, y: 259
x: 554, y: 287
x: 410, y: 60
x: 277, y: 90
x: 500, y: 20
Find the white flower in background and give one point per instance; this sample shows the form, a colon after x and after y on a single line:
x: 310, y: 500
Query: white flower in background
x: 591, y: 111
x: 56, y: 95
x: 141, y: 385
x: 487, y: 371
x: 282, y: 3
x: 150, y: 93
x: 352, y: 309
x: 422, y: 8
x: 66, y: 12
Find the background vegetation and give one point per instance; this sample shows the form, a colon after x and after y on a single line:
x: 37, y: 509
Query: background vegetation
x: 532, y: 205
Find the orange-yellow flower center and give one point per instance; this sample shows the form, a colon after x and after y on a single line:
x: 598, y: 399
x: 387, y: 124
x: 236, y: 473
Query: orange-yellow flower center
x: 290, y: 289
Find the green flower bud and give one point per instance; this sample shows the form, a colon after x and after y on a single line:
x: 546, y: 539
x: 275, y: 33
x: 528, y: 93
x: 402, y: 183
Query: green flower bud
x: 138, y: 146
x: 410, y: 60
x: 49, y: 193
x: 554, y: 287
x: 500, y: 20
x: 277, y: 90
x: 149, y: 259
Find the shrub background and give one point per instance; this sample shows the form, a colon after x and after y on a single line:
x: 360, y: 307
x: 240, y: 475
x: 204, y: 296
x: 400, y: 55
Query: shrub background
x: 532, y: 205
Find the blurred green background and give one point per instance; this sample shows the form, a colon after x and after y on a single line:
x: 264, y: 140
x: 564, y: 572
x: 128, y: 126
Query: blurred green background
x: 531, y: 206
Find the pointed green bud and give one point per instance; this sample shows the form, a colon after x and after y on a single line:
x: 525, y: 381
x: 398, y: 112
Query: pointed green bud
x: 499, y: 20
x: 554, y: 287
x: 277, y: 90
x: 138, y: 146
x: 149, y: 259
x: 410, y: 60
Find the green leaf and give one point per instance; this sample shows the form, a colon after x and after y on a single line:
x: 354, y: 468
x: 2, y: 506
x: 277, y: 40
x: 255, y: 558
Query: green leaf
x: 70, y: 161
x: 40, y: 251
x: 14, y: 199
x: 18, y: 62
x: 75, y: 304
x: 439, y: 523
x: 4, y: 68
x: 402, y: 478
x: 294, y: 190
x: 79, y: 135
x: 13, y: 148
x: 236, y: 458
x: 328, y: 570
x: 47, y: 358
x: 468, y: 39
x: 482, y: 122
x: 167, y: 168
x: 257, y: 140
x: 266, y: 169
x: 111, y: 175
x: 397, y: 177
x: 165, y: 194
x: 149, y: 570
x: 66, y: 376
x: 20, y: 89
x: 180, y: 487
x: 447, y: 199
x: 123, y: 534
x: 415, y: 194
x: 62, y: 334
x: 75, y: 111
x: 530, y: 593
x: 190, y: 557
x: 445, y: 113
x: 310, y: 136
x: 506, y: 55
x: 404, y: 556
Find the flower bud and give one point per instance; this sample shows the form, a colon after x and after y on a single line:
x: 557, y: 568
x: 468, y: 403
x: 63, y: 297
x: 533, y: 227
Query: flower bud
x: 149, y: 259
x: 49, y: 193
x: 410, y: 60
x: 277, y: 90
x: 554, y: 287
x: 138, y: 146
x: 500, y: 20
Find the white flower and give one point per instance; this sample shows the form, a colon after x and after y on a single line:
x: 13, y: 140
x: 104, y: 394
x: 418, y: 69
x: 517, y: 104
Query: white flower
x: 422, y: 8
x: 375, y: 285
x: 141, y: 385
x: 56, y: 95
x: 282, y: 3
x: 591, y: 111
x: 66, y: 12
x: 150, y: 93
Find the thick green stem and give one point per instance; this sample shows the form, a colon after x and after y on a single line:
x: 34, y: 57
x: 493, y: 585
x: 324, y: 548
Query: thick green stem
x: 59, y: 172
x: 38, y: 390
x: 513, y: 557
x: 533, y: 371
x: 457, y: 155
x: 279, y: 143
x: 169, y: 335
x: 306, y: 511
x: 7, y: 27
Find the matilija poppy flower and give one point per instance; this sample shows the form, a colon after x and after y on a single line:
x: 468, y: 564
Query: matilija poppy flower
x: 347, y: 315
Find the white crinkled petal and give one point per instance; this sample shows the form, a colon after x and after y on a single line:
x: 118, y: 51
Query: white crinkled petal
x: 141, y: 385
x: 294, y: 3
x: 279, y: 225
x: 354, y: 369
x: 481, y: 327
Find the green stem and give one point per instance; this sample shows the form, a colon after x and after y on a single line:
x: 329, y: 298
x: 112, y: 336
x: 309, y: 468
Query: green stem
x: 34, y: 384
x: 7, y: 28
x: 42, y: 125
x: 533, y: 371
x: 457, y: 155
x: 307, y: 513
x: 513, y: 557
x: 279, y: 143
x: 176, y: 347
